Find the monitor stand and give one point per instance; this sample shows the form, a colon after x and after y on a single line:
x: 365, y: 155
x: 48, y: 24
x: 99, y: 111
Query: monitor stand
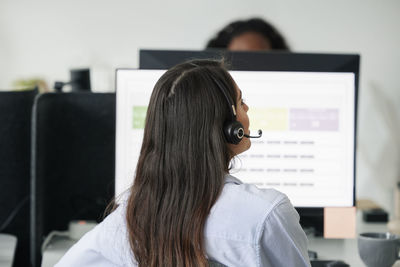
x: 312, y: 220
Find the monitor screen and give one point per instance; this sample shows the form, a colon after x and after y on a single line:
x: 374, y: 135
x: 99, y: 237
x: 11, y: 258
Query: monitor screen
x: 308, y: 123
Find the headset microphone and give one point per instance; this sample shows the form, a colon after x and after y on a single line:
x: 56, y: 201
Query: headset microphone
x: 259, y: 135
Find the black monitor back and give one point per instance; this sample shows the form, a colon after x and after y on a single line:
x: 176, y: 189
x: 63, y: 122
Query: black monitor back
x: 15, y: 156
x: 254, y: 61
x: 73, y: 161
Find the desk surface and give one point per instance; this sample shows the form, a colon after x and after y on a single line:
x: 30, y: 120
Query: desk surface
x: 345, y: 249
x: 55, y: 250
x: 8, y: 244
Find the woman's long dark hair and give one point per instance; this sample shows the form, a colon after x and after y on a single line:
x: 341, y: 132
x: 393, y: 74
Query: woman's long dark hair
x: 182, y: 164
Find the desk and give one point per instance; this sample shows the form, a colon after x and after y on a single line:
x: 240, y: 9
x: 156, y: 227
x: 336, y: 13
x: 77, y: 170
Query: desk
x: 58, y: 246
x: 345, y: 249
x: 8, y: 243
x: 327, y: 249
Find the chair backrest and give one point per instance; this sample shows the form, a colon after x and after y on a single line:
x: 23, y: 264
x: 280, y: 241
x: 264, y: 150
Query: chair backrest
x: 15, y: 156
x: 73, y: 161
x: 212, y: 263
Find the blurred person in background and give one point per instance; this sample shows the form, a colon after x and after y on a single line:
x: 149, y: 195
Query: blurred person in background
x: 254, y: 34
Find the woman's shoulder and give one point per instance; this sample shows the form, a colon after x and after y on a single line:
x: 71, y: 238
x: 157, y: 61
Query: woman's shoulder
x: 113, y: 234
x: 242, y: 209
x: 263, y: 198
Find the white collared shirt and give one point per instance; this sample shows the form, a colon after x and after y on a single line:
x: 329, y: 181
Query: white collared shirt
x: 247, y: 226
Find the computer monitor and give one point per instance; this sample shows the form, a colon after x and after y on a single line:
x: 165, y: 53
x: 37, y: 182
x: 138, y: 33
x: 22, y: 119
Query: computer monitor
x: 307, y: 114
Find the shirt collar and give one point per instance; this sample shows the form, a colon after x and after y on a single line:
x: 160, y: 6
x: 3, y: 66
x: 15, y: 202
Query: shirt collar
x: 229, y: 179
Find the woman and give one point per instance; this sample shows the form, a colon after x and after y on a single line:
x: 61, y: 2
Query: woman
x: 249, y: 35
x: 184, y: 209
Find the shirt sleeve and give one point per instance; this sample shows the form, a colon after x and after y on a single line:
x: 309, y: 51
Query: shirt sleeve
x: 85, y: 253
x: 106, y: 245
x: 283, y: 241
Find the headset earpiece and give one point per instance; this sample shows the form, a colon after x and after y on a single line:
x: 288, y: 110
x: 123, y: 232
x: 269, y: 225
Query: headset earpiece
x: 234, y: 132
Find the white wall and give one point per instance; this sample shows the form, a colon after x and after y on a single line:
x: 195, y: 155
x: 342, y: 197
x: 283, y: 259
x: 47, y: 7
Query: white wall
x: 45, y: 38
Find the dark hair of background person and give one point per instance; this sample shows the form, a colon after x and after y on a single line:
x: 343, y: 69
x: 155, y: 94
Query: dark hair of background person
x: 256, y: 25
x: 182, y: 165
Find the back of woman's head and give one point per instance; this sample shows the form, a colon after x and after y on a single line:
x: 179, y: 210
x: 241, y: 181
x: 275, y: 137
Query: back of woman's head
x: 182, y: 164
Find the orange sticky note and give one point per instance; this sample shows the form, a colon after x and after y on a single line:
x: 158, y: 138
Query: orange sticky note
x: 340, y: 222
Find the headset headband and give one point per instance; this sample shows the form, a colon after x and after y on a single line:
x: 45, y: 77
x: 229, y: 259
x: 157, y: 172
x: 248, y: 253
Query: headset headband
x: 232, y: 108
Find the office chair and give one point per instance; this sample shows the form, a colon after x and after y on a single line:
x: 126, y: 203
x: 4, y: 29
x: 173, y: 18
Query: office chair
x: 15, y: 156
x: 215, y: 264
x: 73, y: 161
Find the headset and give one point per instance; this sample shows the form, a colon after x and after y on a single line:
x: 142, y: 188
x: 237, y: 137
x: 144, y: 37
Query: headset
x: 233, y: 129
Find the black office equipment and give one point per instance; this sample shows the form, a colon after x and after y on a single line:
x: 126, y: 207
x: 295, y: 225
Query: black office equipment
x: 268, y: 61
x: 15, y: 155
x: 73, y: 161
x: 328, y: 263
x: 80, y: 81
x: 375, y: 215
